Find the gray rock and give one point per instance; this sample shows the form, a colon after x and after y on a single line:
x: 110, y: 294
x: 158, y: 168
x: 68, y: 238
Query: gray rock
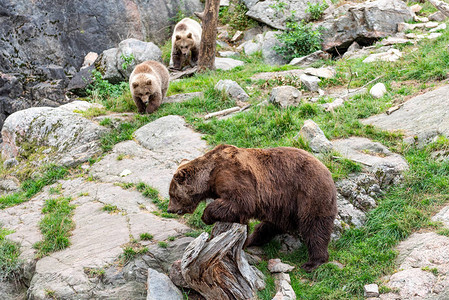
x: 374, y: 157
x: 295, y: 73
x: 284, y: 290
x: 9, y: 163
x: 70, y: 138
x: 106, y: 63
x: 251, y: 47
x: 389, y: 56
x: 442, y: 216
x: 333, y: 105
x: 161, y: 287
x: 62, y: 33
x: 418, y: 256
x: 289, y: 243
x: 141, y: 51
x: 348, y: 213
x: 314, y: 136
x: 89, y: 59
x: 181, y: 97
x: 233, y: 89
x: 226, y: 63
x: 438, y: 17
x: 285, y: 96
x: 310, y: 82
x: 371, y: 290
x: 378, y: 90
x: 81, y: 81
x: 154, y: 155
x: 360, y: 190
x: 363, y: 21
x: 270, y: 56
x: 307, y: 60
x: 276, y: 266
x: 266, y: 12
x: 327, y: 72
x: 49, y: 93
x: 426, y: 112
x: 228, y: 53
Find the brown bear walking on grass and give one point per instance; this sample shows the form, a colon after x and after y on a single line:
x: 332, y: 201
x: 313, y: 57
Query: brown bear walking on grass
x: 287, y: 189
x: 148, y: 84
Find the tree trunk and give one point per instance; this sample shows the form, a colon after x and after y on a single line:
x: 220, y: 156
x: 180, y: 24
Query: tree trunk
x: 209, y: 18
x: 216, y: 267
x: 441, y: 6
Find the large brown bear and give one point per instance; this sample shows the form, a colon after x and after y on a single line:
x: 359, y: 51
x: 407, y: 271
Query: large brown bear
x: 148, y: 84
x: 287, y: 189
x: 186, y: 41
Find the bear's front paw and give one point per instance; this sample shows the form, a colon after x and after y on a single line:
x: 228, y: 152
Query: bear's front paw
x: 207, y: 218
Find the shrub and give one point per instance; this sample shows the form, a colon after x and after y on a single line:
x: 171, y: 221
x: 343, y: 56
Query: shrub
x: 316, y: 10
x: 298, y: 40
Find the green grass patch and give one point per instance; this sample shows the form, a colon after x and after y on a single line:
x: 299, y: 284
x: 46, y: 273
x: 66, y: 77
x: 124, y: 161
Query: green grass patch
x: 9, y: 256
x: 163, y: 244
x: 110, y: 208
x: 146, y: 236
x: 32, y: 186
x: 55, y: 226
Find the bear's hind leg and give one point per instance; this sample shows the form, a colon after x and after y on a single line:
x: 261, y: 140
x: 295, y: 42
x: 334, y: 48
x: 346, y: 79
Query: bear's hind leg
x: 317, y: 235
x: 262, y: 234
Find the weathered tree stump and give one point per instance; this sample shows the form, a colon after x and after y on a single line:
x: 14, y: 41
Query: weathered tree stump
x: 216, y: 266
x: 209, y: 22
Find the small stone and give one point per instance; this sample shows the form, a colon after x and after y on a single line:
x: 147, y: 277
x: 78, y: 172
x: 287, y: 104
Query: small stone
x: 227, y: 53
x: 321, y: 72
x: 433, y: 35
x: 309, y: 59
x: 160, y: 287
x: 334, y: 104
x: 438, y: 17
x: 311, y: 82
x: 285, y: 96
x: 89, y: 59
x: 313, y: 134
x: 421, y: 19
x: 226, y: 63
x: 9, y: 163
x: 237, y: 36
x: 416, y: 8
x: 439, y: 27
x: 391, y: 55
x: 378, y: 90
x: 233, y: 89
x: 371, y: 290
x: 125, y: 172
x: 276, y: 266
x: 431, y: 24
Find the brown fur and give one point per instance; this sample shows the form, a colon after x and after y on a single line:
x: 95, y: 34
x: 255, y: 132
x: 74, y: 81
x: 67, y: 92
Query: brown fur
x: 148, y: 84
x: 287, y: 189
x: 185, y: 43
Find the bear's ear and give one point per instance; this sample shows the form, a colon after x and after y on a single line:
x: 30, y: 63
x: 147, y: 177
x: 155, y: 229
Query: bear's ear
x: 183, y: 162
x: 181, y: 176
x: 178, y: 37
x: 148, y: 82
x: 135, y: 84
x: 189, y: 36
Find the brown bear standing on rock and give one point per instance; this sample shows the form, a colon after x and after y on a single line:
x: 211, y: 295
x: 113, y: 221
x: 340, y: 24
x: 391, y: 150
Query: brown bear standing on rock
x: 148, y: 84
x: 287, y: 189
x: 186, y: 41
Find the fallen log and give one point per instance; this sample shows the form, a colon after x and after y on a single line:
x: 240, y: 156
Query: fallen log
x: 441, y: 6
x: 216, y: 266
x: 222, y: 112
x: 182, y: 74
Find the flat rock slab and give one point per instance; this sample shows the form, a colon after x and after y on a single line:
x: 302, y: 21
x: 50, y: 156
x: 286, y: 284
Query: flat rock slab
x: 181, y: 97
x: 154, y: 156
x: 98, y: 238
x: 423, y: 113
x: 226, y: 63
x: 423, y: 268
x: 273, y: 75
x: 371, y: 155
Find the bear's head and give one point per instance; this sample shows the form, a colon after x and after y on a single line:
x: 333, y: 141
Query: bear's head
x: 184, y: 43
x: 143, y: 88
x: 190, y: 185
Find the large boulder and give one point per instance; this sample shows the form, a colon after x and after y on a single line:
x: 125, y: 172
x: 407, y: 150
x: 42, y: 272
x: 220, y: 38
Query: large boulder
x: 420, y: 115
x: 272, y: 13
x: 59, y: 136
x: 35, y: 33
x: 364, y: 22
